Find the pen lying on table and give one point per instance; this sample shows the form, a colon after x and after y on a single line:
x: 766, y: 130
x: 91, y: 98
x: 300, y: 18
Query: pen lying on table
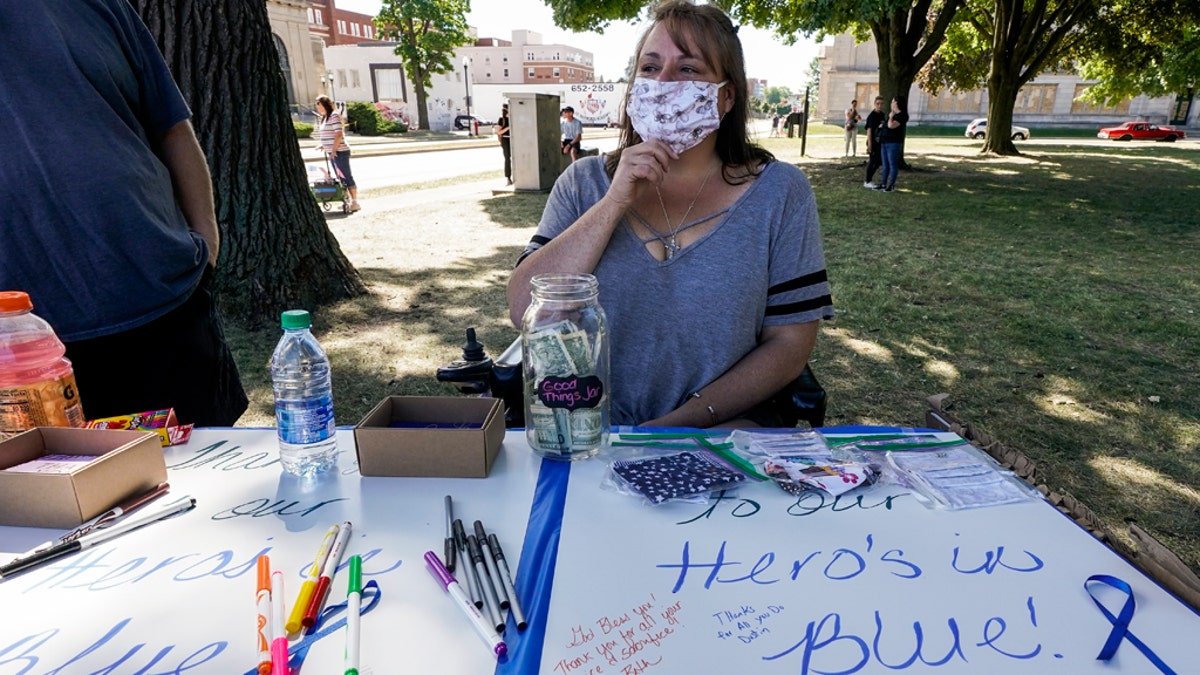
x: 97, y: 537
x: 109, y: 517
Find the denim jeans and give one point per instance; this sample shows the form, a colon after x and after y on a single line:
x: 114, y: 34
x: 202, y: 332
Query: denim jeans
x: 891, y: 163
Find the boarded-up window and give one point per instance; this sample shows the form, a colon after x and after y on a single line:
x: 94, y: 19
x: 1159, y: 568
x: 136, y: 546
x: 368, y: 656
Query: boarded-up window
x: 865, y: 93
x: 1082, y: 107
x: 949, y: 101
x: 1037, y: 99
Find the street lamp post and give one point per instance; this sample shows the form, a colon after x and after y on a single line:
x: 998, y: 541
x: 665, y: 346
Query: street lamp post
x: 332, y: 91
x: 467, y: 83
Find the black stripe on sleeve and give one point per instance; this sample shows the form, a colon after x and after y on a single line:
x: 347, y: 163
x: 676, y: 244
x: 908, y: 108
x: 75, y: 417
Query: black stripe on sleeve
x: 799, y: 282
x: 802, y: 306
x: 536, y: 242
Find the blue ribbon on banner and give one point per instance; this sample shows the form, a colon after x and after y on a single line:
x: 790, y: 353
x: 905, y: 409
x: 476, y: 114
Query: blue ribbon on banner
x: 322, y: 628
x: 1120, y: 622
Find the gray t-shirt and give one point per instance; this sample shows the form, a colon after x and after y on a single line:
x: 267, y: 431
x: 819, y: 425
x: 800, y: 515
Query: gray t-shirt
x: 676, y: 325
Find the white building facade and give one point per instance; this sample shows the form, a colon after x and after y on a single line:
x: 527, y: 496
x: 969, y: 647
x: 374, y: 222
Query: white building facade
x: 850, y: 71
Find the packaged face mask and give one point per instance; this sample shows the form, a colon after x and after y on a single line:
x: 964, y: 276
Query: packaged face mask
x: 680, y: 114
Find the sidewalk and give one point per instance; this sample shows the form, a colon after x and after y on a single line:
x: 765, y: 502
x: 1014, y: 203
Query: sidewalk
x: 421, y: 141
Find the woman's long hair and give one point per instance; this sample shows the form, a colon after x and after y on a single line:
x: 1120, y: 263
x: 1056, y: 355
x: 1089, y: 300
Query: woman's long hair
x: 327, y: 104
x: 710, y: 30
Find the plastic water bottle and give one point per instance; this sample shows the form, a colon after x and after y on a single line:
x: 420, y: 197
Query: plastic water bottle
x: 303, y: 398
x: 37, y: 383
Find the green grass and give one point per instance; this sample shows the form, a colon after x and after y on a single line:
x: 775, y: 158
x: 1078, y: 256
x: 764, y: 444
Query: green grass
x: 1053, y: 296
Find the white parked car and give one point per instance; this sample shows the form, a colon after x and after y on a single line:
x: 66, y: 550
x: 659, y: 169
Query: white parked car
x: 977, y: 129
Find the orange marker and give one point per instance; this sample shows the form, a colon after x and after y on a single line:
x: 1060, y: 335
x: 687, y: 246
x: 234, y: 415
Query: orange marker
x: 263, y: 599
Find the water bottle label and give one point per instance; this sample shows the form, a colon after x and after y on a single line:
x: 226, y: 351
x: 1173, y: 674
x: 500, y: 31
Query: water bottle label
x: 51, y: 403
x: 303, y: 422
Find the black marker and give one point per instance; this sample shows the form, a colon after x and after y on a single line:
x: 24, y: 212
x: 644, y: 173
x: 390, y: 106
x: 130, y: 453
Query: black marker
x: 450, y: 544
x: 489, y: 561
x: 489, y: 593
x: 506, y: 578
x: 464, y: 554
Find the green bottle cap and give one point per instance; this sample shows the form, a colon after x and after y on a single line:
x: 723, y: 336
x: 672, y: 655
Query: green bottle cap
x: 295, y: 318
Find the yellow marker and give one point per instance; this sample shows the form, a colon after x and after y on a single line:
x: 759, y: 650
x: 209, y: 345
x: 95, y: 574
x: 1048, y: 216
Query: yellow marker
x: 310, y: 581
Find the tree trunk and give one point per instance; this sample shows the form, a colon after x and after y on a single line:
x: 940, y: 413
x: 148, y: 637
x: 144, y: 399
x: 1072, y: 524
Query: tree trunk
x: 898, y: 70
x: 1003, y: 86
x: 418, y: 79
x: 276, y: 250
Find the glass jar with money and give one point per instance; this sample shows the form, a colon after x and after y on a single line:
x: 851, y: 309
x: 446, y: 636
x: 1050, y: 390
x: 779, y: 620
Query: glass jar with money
x: 564, y: 340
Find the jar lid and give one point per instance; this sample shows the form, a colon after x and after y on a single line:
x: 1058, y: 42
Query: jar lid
x: 295, y: 318
x: 14, y: 301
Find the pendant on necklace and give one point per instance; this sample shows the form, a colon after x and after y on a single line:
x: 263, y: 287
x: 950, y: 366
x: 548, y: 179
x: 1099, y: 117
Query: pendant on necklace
x: 671, y: 247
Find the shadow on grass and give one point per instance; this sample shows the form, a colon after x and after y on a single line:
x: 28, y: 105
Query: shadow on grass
x: 521, y: 209
x: 1052, y: 295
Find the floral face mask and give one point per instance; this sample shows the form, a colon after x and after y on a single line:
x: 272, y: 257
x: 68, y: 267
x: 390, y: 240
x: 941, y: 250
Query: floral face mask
x: 680, y: 114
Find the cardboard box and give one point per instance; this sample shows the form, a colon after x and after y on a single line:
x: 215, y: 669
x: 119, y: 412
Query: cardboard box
x: 430, y: 436
x: 127, y: 463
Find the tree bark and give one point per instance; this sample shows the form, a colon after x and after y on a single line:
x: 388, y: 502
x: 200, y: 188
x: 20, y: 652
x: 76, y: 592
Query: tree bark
x: 276, y: 250
x: 1003, y: 86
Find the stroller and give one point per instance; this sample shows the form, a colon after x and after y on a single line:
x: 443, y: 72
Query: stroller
x: 327, y: 187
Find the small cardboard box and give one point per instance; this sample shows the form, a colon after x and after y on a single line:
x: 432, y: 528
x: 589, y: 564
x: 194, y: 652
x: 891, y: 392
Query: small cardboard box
x: 430, y: 436
x: 127, y: 463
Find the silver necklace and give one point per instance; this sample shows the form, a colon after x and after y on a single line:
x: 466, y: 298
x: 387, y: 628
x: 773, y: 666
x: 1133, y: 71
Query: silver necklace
x: 671, y: 245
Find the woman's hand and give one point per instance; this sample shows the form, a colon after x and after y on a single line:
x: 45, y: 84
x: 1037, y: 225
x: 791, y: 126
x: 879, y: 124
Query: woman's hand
x: 647, y: 161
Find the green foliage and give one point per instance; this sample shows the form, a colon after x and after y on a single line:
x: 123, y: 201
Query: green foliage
x: 302, y: 130
x: 427, y: 33
x: 365, y: 119
x: 582, y: 16
x: 774, y: 95
x: 1157, y: 56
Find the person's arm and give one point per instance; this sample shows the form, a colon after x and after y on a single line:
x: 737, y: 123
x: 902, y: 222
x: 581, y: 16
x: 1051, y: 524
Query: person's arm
x: 892, y: 121
x: 181, y: 153
x: 778, y: 359
x: 577, y: 249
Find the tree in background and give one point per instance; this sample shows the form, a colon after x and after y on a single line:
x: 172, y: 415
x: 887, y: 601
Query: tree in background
x: 276, y: 250
x: 427, y: 33
x: 1007, y: 43
x: 1151, y: 50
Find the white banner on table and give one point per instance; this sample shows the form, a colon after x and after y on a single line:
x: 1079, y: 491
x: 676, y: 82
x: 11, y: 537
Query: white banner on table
x: 178, y: 596
x: 768, y: 582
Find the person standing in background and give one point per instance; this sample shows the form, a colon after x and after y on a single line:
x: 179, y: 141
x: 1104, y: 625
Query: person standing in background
x: 332, y: 140
x: 875, y: 120
x: 110, y: 226
x: 852, y: 120
x: 572, y: 132
x: 893, y: 143
x: 502, y: 132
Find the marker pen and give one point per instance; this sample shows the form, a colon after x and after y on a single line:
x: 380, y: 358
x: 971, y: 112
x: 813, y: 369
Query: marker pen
x: 464, y: 603
x: 464, y: 554
x: 353, y: 616
x: 321, y: 592
x: 489, y: 592
x: 263, y: 599
x: 506, y: 578
x: 489, y: 561
x: 451, y: 546
x: 279, y: 642
x: 296, y: 618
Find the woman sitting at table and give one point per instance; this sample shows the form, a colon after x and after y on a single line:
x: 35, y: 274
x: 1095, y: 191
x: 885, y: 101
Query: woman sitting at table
x: 707, y: 250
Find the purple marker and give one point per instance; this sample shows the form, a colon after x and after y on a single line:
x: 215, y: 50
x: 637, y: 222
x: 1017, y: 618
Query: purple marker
x: 464, y: 603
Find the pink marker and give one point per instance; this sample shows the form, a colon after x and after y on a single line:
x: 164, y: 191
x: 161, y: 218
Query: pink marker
x: 279, y: 643
x: 450, y: 584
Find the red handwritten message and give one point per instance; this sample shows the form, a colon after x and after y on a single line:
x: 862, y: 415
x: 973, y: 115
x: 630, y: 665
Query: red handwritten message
x: 625, y: 643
